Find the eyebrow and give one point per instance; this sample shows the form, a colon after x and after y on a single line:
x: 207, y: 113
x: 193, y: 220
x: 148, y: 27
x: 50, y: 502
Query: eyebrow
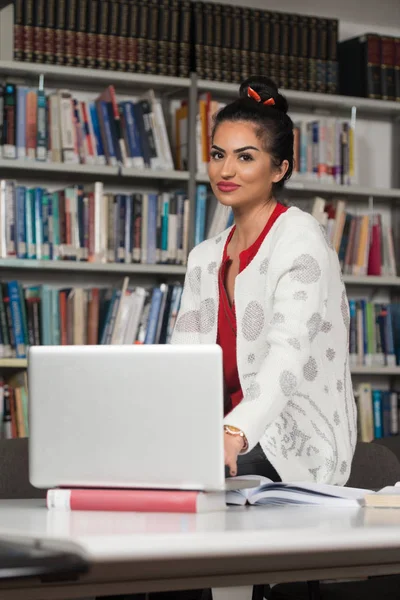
x: 238, y: 149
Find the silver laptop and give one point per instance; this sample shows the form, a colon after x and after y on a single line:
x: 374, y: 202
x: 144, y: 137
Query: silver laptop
x: 127, y: 416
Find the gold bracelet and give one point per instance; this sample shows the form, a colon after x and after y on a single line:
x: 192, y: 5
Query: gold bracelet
x: 230, y: 430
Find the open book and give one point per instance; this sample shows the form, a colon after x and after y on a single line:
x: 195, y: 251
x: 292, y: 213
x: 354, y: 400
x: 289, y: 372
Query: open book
x: 320, y: 494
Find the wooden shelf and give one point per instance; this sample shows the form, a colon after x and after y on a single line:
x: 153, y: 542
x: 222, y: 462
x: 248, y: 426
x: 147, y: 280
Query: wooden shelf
x: 79, y: 77
x: 374, y: 280
x: 312, y: 187
x: 37, y: 168
x: 312, y: 100
x: 13, y: 363
x: 152, y: 174
x: 85, y: 267
x: 367, y: 371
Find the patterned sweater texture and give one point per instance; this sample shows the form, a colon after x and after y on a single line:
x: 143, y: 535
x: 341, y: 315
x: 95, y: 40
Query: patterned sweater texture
x: 292, y: 346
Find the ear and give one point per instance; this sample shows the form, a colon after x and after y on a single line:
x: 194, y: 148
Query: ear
x: 280, y: 171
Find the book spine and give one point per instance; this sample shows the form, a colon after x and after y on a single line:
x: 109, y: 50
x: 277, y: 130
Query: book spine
x: 255, y: 40
x: 312, y: 54
x: 185, y: 40
x: 21, y: 121
x: 294, y: 42
x: 199, y: 39
x: 18, y: 30
x: 377, y: 406
x: 41, y: 131
x: 28, y: 41
x: 91, y: 33
x: 332, y: 66
x: 70, y: 33
x: 20, y: 195
x: 373, y: 66
x: 142, y: 37
x: 284, y: 32
x: 132, y: 41
x: 59, y: 32
x: 16, y: 314
x: 174, y: 38
x: 8, y: 229
x: 226, y: 44
x: 302, y: 63
x: 126, y: 500
x: 112, y: 35
x: 245, y: 44
x: 153, y: 315
x: 38, y: 30
x: 81, y: 33
x: 122, y: 36
x: 29, y: 224
x: 9, y: 121
x: 49, y: 32
x: 322, y: 50
x: 152, y: 38
x: 102, y: 34
x: 397, y: 69
x: 236, y: 42
x: 387, y: 68
x: 274, y: 47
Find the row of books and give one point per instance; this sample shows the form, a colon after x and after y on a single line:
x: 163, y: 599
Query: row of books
x: 363, y: 241
x: 370, y: 66
x: 14, y: 407
x: 324, y: 150
x: 47, y: 315
x: 61, y: 128
x: 173, y: 37
x: 143, y: 37
x: 86, y: 224
x: 378, y: 412
x: 374, y: 338
x: 297, y: 52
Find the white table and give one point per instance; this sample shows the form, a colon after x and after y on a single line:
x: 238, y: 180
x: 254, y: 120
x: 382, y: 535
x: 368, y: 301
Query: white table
x: 131, y: 552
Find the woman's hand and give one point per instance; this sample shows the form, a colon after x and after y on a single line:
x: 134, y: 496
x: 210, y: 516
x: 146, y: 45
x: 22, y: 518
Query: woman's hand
x: 233, y: 445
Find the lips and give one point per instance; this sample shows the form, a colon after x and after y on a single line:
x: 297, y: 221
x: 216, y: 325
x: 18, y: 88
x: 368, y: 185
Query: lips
x: 225, y: 186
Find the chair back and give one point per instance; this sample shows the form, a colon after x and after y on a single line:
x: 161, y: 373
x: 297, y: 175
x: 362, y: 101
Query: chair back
x: 14, y: 471
x: 374, y: 466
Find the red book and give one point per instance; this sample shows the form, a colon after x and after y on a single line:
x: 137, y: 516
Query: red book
x: 128, y: 500
x: 375, y: 257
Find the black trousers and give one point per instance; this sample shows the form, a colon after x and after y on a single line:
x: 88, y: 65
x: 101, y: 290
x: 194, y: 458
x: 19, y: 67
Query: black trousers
x: 253, y: 463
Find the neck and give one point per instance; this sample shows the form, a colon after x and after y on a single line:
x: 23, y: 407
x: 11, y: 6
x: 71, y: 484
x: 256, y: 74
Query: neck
x: 250, y: 223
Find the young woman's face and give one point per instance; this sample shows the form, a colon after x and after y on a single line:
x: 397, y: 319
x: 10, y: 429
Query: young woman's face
x: 241, y: 172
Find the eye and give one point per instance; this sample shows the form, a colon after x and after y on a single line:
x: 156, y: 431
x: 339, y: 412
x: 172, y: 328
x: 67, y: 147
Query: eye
x: 245, y: 157
x: 215, y: 155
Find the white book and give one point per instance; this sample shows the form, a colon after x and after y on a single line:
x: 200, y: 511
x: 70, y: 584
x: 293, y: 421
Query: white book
x: 121, y: 316
x: 160, y: 133
x: 298, y: 493
x: 98, y: 199
x: 145, y: 224
x: 55, y: 128
x: 68, y: 134
x: 365, y: 412
x: 135, y: 304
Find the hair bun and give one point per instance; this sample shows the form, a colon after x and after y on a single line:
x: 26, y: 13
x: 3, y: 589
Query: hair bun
x: 266, y: 88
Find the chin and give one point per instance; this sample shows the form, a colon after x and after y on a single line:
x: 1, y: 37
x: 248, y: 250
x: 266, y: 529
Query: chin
x: 228, y: 199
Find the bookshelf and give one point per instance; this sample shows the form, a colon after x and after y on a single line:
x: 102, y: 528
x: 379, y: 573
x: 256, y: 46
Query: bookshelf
x: 314, y: 101
x: 120, y: 176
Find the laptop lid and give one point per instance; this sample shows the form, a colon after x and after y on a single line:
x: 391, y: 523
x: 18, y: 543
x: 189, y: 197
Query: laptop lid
x: 126, y: 416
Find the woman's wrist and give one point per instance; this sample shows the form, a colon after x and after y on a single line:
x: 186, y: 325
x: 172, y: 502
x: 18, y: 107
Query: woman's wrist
x: 239, y: 435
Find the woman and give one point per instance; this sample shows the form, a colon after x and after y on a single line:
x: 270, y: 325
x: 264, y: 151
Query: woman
x: 269, y: 291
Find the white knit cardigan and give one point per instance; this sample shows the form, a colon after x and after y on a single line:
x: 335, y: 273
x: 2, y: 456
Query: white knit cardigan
x: 292, y: 346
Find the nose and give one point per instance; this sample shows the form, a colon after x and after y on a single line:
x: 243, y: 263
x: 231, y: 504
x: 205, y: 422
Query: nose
x: 228, y: 168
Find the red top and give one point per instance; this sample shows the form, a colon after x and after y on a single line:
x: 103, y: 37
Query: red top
x: 226, y: 336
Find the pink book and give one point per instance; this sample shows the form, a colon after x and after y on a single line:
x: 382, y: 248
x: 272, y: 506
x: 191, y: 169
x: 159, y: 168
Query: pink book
x: 128, y: 500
